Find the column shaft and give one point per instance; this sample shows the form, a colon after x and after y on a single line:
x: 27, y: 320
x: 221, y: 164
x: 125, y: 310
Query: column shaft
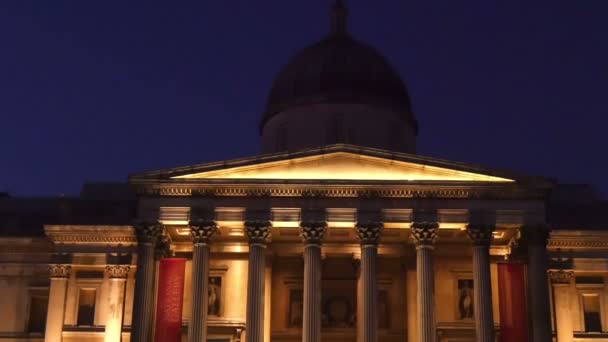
x: 425, y: 281
x: 57, y: 295
x: 482, y: 292
x: 197, y: 329
x: 480, y: 232
x: 425, y: 234
x: 311, y: 331
x: 539, y: 286
x: 370, y: 293
x: 359, y: 313
x: 255, y: 293
x: 312, y: 233
x: 143, y: 304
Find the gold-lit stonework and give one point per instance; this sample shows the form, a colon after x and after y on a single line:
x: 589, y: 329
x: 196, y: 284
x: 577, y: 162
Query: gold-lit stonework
x: 344, y: 166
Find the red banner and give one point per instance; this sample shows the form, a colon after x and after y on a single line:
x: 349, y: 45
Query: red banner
x: 169, y: 302
x: 512, y: 300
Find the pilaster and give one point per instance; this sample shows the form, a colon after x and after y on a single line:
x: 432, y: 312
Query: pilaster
x: 560, y: 280
x: 117, y: 275
x: 59, y: 274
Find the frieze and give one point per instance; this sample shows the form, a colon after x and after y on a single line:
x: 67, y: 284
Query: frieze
x: 394, y: 191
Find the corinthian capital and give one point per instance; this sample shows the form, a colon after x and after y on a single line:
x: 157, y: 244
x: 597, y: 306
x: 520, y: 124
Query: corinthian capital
x: 312, y: 232
x: 59, y: 270
x: 202, y: 231
x: 258, y: 232
x: 424, y: 233
x: 148, y: 233
x: 369, y: 232
x: 480, y: 234
x: 117, y: 271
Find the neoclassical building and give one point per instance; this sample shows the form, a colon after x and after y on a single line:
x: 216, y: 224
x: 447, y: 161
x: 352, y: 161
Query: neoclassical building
x: 337, y: 231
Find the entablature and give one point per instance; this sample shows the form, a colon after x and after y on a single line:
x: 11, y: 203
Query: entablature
x: 100, y: 235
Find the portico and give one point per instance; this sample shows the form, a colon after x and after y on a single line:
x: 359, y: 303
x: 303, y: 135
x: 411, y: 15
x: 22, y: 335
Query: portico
x: 359, y: 217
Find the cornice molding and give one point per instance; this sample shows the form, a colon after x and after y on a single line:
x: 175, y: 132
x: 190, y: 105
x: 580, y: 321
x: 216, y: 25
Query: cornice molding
x: 91, y: 235
x: 566, y: 239
x: 577, y: 243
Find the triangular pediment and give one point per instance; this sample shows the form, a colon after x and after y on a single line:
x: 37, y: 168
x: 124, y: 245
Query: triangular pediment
x: 342, y: 165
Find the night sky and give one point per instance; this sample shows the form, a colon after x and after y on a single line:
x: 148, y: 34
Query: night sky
x: 95, y: 90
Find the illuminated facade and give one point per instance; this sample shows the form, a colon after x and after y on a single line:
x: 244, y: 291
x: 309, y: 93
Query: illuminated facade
x: 358, y: 240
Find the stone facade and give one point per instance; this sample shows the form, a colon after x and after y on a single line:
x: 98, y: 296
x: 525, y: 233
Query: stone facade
x: 338, y: 243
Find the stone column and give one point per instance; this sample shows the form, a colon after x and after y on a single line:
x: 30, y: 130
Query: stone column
x: 117, y: 275
x: 359, y: 309
x: 561, y: 296
x: 258, y: 233
x: 312, y: 233
x: 538, y: 284
x: 143, y: 303
x: 425, y: 234
x: 202, y: 231
x: 60, y: 275
x: 481, y: 235
x: 369, y: 234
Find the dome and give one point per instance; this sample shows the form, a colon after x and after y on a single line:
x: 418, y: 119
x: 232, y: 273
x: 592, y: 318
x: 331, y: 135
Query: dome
x: 337, y: 70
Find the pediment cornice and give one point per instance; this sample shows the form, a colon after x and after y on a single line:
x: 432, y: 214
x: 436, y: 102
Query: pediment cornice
x: 340, y: 171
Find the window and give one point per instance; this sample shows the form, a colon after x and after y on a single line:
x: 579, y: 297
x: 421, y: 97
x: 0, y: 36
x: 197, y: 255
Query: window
x: 592, y: 317
x: 37, y: 314
x: 86, y: 307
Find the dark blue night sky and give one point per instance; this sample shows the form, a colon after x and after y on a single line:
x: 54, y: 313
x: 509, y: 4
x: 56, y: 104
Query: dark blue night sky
x: 95, y: 90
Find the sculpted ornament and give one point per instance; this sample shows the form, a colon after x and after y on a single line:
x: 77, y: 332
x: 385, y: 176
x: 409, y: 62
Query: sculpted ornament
x: 312, y: 232
x: 148, y: 233
x: 59, y: 271
x: 162, y: 249
x: 117, y: 271
x: 369, y: 232
x: 480, y: 234
x: 258, y: 232
x: 560, y: 276
x: 202, y: 231
x: 424, y: 233
x: 536, y: 234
